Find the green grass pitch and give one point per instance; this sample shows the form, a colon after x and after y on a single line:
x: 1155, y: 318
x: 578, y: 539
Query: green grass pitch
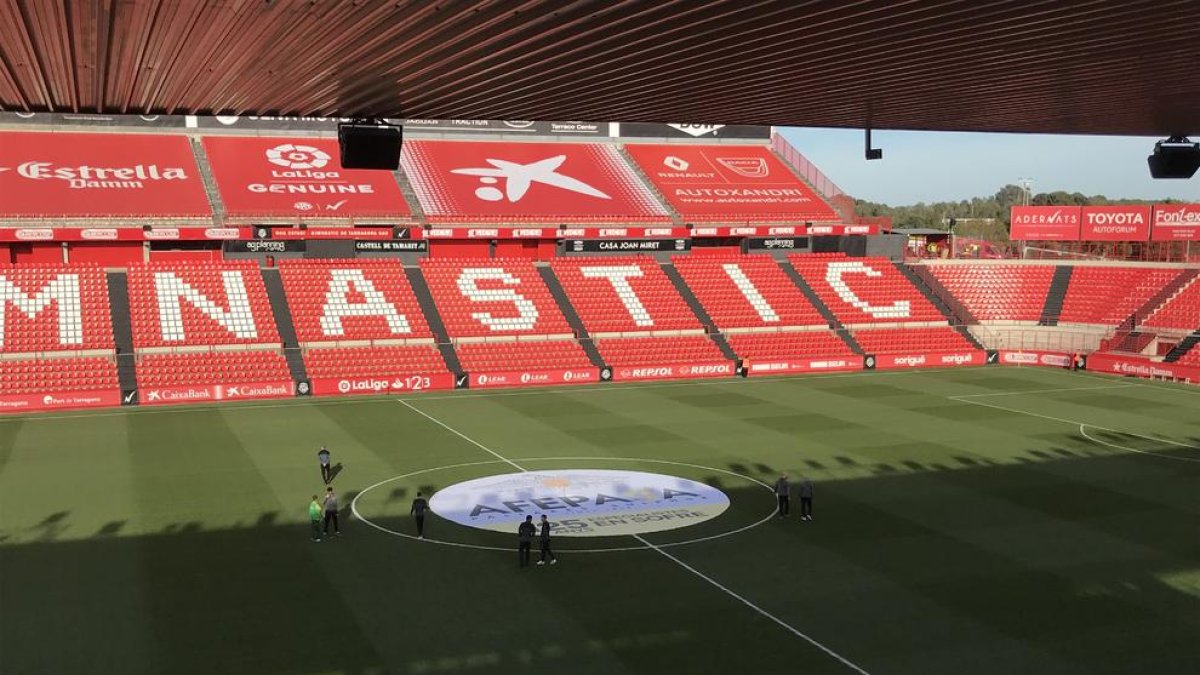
x: 993, y: 520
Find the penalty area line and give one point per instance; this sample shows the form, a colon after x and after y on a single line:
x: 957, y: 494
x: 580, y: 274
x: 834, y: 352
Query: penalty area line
x: 713, y: 582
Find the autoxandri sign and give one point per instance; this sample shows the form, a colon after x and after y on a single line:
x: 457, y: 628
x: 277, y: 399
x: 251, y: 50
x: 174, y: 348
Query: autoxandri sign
x: 581, y: 502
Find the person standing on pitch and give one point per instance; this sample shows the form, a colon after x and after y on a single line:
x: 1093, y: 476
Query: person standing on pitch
x: 323, y: 458
x: 417, y: 511
x: 331, y: 511
x: 545, y: 541
x: 783, y: 494
x: 314, y: 516
x: 524, y: 539
x: 806, y: 496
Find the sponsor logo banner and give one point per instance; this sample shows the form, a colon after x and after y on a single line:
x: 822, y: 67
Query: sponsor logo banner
x: 527, y: 181
x: 728, y: 182
x: 1176, y: 222
x: 828, y: 365
x: 215, y: 392
x: 53, y: 175
x: 419, y: 246
x: 776, y: 243
x: 1045, y: 223
x: 930, y: 360
x: 1115, y: 223
x: 1138, y: 367
x: 532, y: 378
x: 581, y: 502
x: 10, y: 234
x: 1024, y: 358
x: 626, y: 245
x: 54, y: 400
x: 382, y: 384
x: 701, y: 131
x: 357, y: 233
x: 290, y: 177
x: 93, y: 119
x: 265, y: 246
x: 411, y: 126
x: 675, y: 371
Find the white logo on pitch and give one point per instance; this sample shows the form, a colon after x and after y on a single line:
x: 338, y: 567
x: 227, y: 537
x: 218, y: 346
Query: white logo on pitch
x: 581, y: 502
x: 297, y: 157
x: 520, y: 177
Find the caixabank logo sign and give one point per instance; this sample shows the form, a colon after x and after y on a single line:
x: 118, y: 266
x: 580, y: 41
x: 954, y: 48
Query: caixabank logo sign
x: 581, y: 502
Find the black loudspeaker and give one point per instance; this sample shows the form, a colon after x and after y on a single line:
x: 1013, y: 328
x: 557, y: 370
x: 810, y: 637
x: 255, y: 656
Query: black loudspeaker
x: 1175, y: 157
x: 369, y: 146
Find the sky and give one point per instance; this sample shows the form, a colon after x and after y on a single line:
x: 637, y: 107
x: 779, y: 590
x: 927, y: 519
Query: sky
x: 942, y: 166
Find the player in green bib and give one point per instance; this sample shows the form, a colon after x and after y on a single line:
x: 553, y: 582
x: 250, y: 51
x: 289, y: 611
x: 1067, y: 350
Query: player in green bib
x: 314, y: 516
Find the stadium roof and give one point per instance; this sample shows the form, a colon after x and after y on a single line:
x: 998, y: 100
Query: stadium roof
x: 1085, y: 66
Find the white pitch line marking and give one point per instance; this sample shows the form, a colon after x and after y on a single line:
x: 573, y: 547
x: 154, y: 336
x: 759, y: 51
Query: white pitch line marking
x: 1083, y: 431
x: 733, y: 594
x: 1048, y: 391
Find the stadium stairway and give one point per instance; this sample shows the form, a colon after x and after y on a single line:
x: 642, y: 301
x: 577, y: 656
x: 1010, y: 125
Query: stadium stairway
x: 1185, y: 345
x: 414, y: 204
x: 939, y: 297
x: 1058, y: 292
x: 572, y: 317
x: 1162, y: 297
x: 283, y: 322
x: 827, y: 313
x: 118, y: 300
x: 210, y: 184
x: 701, y: 313
x: 434, y: 319
x: 676, y: 218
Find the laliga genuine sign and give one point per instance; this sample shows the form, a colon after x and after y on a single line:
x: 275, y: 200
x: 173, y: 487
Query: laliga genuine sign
x: 581, y: 502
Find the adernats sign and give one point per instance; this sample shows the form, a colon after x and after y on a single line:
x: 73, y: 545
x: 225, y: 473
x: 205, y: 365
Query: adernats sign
x: 290, y: 177
x: 1176, y: 222
x: 1115, y: 223
x: 57, y: 175
x: 1025, y: 358
x: 1045, y: 223
x: 827, y: 365
x: 492, y: 181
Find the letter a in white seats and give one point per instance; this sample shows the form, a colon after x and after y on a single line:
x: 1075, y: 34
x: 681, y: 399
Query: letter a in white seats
x: 63, y: 290
x: 237, y: 319
x: 619, y: 276
x: 338, y: 304
x: 765, y: 311
x: 527, y: 312
x: 833, y: 275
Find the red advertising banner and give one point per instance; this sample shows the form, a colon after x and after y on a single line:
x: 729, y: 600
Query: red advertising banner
x: 1117, y: 222
x: 533, y: 378
x: 929, y: 360
x: 457, y: 180
x: 1139, y: 367
x: 389, y: 384
x: 729, y: 182
x: 355, y: 233
x: 59, y: 234
x: 206, y: 393
x: 1024, y: 358
x: 289, y: 177
x: 816, y: 365
x: 1045, y: 223
x: 1176, y: 222
x: 675, y: 371
x: 57, y: 175
x: 22, y: 403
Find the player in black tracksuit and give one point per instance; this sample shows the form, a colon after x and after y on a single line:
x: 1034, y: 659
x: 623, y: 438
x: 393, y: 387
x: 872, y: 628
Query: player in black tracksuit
x: 417, y: 511
x: 545, y: 540
x: 525, y: 539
